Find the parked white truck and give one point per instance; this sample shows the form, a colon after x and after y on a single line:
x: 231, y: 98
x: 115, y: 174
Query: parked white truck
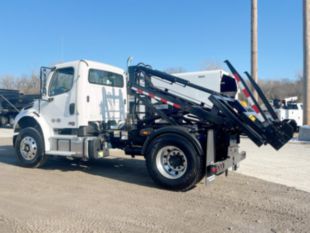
x: 289, y: 109
x: 88, y: 108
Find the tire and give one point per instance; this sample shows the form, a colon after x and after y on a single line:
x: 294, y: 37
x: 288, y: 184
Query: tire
x: 173, y: 162
x: 29, y: 148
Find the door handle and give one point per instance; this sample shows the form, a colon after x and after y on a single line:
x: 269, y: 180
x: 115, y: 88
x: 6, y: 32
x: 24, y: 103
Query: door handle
x: 72, y: 108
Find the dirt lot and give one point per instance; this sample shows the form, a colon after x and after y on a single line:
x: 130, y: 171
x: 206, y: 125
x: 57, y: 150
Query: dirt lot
x: 289, y: 166
x: 117, y: 195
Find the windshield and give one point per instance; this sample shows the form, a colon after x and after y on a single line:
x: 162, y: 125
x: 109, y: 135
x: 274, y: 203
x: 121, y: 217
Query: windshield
x: 61, y: 81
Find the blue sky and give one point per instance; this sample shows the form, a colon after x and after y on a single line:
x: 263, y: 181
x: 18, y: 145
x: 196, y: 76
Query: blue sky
x: 163, y: 33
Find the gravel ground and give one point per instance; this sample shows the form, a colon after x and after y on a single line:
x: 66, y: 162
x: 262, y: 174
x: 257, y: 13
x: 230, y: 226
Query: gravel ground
x: 289, y: 166
x: 6, y: 133
x: 117, y: 195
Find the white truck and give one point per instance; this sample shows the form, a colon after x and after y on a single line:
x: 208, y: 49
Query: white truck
x: 289, y: 109
x: 88, y: 108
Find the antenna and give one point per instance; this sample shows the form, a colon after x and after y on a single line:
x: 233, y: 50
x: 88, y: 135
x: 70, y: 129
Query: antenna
x: 129, y: 60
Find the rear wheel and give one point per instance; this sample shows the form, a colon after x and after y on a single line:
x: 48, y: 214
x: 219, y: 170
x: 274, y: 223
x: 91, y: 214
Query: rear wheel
x: 173, y: 162
x: 29, y: 148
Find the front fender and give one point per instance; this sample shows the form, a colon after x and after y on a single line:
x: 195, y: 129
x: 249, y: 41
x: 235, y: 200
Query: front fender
x: 31, y: 115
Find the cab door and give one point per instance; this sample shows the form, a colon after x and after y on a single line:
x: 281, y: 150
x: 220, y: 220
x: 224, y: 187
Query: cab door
x: 59, y: 109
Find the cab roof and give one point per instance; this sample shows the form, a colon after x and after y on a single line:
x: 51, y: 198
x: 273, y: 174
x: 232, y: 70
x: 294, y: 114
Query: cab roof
x: 91, y: 64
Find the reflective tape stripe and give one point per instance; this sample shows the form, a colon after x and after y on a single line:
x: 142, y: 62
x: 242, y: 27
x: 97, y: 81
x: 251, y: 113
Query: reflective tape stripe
x: 247, y: 95
x: 251, y: 102
x: 236, y: 77
x: 255, y: 108
x: 176, y: 105
x: 151, y: 95
x: 260, y: 117
x: 163, y: 100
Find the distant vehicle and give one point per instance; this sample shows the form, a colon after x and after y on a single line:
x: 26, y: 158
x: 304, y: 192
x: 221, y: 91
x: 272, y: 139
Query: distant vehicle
x: 11, y: 102
x: 289, y: 109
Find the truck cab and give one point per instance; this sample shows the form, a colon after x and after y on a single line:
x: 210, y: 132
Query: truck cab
x: 80, y: 92
x: 77, y: 97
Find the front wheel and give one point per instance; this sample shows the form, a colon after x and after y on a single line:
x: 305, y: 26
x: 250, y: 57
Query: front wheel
x: 173, y: 162
x: 29, y: 148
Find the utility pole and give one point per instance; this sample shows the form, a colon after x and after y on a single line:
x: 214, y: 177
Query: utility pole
x: 306, y: 86
x: 254, y: 44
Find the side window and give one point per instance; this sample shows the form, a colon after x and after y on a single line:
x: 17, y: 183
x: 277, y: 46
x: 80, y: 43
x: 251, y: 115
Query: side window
x: 291, y: 106
x: 62, y: 81
x: 105, y: 78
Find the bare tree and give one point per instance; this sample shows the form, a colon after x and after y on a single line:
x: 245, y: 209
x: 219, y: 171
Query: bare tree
x: 7, y: 82
x: 29, y: 85
x: 280, y: 89
x: 25, y: 84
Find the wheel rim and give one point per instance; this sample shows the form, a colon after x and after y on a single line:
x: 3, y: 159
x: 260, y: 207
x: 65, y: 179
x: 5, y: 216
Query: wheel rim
x: 171, y: 162
x: 28, y: 148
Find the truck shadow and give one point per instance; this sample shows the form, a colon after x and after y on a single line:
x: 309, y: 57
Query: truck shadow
x: 118, y: 168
